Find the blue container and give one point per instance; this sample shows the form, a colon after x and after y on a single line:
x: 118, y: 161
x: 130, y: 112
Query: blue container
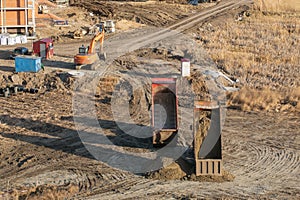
x: 28, y: 64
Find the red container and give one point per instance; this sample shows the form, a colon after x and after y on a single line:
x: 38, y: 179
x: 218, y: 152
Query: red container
x: 44, y: 48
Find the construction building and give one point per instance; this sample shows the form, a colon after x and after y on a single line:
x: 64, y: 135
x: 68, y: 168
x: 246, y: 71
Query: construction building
x: 18, y: 16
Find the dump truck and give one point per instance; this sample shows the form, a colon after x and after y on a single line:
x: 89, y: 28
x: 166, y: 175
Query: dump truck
x: 164, y: 110
x: 20, y: 51
x: 207, y: 144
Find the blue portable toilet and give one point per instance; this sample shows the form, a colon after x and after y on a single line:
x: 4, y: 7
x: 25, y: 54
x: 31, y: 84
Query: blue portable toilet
x: 28, y: 63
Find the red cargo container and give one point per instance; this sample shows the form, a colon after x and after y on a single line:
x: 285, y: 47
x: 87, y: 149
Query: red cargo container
x: 44, y: 48
x: 164, y: 110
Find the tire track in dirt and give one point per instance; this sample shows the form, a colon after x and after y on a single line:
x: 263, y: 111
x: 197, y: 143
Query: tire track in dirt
x: 273, y: 162
x: 261, y: 162
x: 119, y: 185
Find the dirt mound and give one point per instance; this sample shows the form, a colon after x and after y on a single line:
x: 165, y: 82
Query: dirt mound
x: 124, y: 25
x: 53, y: 81
x: 175, y: 171
x: 183, y: 170
x: 155, y: 13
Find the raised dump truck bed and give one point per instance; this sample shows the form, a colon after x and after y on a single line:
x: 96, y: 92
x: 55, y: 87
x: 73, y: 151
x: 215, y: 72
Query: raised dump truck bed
x: 164, y: 110
x: 208, y: 146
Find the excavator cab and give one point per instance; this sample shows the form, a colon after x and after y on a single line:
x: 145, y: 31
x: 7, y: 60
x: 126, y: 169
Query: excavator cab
x: 83, y: 50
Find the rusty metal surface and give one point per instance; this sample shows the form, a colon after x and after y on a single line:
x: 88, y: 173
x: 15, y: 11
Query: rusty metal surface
x: 206, y: 105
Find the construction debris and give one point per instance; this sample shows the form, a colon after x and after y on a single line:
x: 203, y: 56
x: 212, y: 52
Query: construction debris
x: 14, y: 90
x: 61, y: 23
x: 240, y: 16
x: 78, y: 34
x: 43, y: 9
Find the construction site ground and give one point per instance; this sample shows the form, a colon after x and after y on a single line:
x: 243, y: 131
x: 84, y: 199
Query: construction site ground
x: 42, y: 155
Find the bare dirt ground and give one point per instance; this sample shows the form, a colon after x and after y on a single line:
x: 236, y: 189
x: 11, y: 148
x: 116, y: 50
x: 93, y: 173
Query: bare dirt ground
x: 41, y: 150
x: 125, y: 15
x: 43, y: 156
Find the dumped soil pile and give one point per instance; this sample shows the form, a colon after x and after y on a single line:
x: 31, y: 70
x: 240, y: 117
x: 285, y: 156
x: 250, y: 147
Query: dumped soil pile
x: 44, y: 82
x: 203, y: 124
x: 183, y: 170
x: 180, y: 169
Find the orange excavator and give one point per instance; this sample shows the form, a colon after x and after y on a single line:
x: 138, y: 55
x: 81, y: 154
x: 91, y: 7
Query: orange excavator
x: 87, y: 55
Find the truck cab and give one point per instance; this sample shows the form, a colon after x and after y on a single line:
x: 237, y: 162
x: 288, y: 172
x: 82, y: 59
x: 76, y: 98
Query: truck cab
x: 19, y: 51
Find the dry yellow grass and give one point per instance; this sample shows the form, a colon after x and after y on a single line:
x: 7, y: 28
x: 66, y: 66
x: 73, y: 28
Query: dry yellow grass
x: 251, y: 99
x: 278, y: 5
x: 262, y: 51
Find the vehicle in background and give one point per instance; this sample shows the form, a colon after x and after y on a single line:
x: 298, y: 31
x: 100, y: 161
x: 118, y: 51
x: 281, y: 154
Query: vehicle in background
x: 20, y: 51
x: 109, y: 26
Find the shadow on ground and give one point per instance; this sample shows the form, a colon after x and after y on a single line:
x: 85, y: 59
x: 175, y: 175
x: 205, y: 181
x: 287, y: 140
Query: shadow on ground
x: 68, y: 140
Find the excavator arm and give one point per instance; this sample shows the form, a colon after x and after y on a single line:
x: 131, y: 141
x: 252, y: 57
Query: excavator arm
x: 98, y: 37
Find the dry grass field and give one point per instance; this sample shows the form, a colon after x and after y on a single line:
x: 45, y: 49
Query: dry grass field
x: 262, y: 51
x: 277, y: 5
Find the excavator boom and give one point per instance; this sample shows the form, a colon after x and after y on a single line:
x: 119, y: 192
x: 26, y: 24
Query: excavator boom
x: 98, y: 37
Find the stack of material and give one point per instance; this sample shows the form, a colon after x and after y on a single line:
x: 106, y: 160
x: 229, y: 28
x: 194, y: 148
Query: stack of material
x: 23, y: 39
x: 3, y: 39
x: 6, y: 39
x: 11, y: 41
